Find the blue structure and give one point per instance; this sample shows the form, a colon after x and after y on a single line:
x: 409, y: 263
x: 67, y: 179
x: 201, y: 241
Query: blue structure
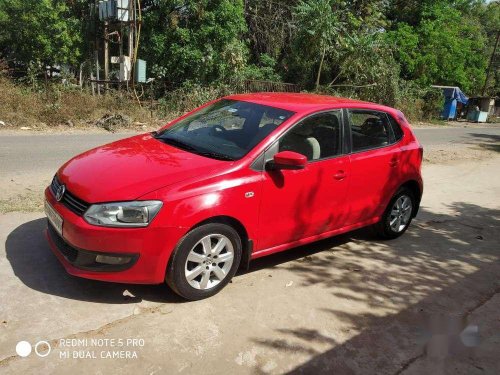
x: 453, y: 96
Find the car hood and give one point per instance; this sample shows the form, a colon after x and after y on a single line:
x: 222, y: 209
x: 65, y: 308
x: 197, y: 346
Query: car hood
x: 132, y: 167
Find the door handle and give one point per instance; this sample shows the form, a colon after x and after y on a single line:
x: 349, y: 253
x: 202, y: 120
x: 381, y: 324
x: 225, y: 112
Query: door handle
x: 340, y: 175
x: 394, y: 162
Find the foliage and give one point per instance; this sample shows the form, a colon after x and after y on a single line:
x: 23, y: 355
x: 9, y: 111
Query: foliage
x: 369, y: 71
x: 387, y: 51
x: 56, y: 104
x: 489, y: 17
x: 270, y: 27
x: 321, y: 34
x: 265, y: 69
x: 444, y: 48
x: 194, y: 40
x: 188, y: 97
x: 433, y: 101
x: 39, y: 30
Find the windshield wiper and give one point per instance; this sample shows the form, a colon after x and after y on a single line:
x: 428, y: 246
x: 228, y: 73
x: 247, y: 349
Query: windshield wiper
x: 185, y: 146
x: 216, y: 155
x: 177, y: 143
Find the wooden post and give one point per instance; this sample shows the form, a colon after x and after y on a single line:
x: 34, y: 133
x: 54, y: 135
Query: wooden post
x: 92, y: 83
x: 80, y: 77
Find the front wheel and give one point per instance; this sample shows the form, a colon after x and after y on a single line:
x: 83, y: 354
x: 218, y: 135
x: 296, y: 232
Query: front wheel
x: 397, y: 216
x: 204, y: 261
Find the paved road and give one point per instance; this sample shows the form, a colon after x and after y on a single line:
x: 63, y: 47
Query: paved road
x: 348, y: 305
x: 357, y: 295
x: 438, y: 136
x: 35, y: 152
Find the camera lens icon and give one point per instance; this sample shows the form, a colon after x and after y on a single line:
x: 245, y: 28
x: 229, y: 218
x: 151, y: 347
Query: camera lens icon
x: 23, y: 348
x: 42, y: 349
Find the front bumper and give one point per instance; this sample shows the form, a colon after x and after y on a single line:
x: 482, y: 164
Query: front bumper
x: 88, y: 260
x: 148, y: 248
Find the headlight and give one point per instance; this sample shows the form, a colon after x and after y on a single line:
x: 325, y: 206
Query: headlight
x: 123, y: 214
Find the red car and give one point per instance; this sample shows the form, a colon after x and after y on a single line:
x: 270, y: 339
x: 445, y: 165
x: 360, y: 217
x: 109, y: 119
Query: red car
x: 234, y: 180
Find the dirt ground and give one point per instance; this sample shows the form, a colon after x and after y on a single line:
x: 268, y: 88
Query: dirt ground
x: 427, y: 302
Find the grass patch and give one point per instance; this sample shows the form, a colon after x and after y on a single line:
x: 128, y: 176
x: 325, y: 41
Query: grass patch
x: 27, y: 202
x: 21, y: 105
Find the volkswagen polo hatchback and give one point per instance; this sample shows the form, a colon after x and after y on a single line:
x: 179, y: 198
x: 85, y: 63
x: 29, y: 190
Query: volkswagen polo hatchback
x: 234, y: 180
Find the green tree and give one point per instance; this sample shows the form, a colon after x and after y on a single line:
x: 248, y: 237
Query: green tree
x: 194, y: 40
x: 446, y: 47
x: 320, y: 32
x: 368, y: 70
x: 489, y: 16
x: 39, y: 30
x: 270, y: 28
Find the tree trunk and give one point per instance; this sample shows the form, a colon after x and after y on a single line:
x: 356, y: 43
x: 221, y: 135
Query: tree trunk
x: 483, y: 92
x: 320, y: 68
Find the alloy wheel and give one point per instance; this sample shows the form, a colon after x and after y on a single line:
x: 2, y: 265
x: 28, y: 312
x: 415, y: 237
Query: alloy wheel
x: 400, y: 213
x: 209, y: 261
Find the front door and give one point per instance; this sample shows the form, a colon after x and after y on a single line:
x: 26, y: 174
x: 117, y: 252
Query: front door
x: 297, y: 204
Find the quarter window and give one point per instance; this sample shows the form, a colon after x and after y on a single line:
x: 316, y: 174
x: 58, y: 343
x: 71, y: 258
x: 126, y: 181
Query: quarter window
x: 316, y: 137
x: 396, y: 128
x: 369, y: 129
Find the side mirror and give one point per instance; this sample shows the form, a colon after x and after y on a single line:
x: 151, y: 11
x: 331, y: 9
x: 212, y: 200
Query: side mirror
x: 287, y: 160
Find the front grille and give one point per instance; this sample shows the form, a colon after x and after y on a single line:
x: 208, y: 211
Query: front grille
x: 73, y: 203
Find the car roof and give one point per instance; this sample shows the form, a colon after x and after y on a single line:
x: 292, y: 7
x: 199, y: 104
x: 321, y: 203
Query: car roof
x: 297, y: 102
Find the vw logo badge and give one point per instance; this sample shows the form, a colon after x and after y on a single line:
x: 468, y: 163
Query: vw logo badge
x: 60, y: 192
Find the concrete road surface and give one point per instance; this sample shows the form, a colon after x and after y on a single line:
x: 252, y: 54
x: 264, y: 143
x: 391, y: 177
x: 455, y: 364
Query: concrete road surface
x: 427, y: 302
x: 35, y: 152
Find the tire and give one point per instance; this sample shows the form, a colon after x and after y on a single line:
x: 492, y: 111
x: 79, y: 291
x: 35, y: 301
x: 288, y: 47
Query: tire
x: 383, y: 228
x: 191, y: 261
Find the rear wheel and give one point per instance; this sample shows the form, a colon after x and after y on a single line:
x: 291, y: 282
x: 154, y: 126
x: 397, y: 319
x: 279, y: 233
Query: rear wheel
x: 204, y: 261
x: 397, y: 216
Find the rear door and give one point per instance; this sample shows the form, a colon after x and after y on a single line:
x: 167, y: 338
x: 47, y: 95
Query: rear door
x: 297, y: 204
x: 374, y: 164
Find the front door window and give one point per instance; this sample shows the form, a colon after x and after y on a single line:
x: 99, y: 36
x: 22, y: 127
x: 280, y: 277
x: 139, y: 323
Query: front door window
x: 316, y: 137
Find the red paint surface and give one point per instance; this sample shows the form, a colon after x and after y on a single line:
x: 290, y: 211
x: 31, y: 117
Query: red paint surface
x: 288, y: 208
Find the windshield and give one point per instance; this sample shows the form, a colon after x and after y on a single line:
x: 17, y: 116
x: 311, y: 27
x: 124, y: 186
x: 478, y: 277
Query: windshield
x: 226, y: 130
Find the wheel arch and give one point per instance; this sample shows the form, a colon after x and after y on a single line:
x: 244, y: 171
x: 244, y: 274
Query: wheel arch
x: 246, y: 242
x: 415, y: 188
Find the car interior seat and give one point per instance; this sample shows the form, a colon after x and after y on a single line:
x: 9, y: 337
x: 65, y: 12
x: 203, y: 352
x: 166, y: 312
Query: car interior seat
x: 328, y: 138
x: 302, y: 141
x: 374, y: 128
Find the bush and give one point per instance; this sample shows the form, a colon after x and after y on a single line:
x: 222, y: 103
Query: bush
x: 409, y: 100
x: 21, y: 105
x: 188, y: 97
x: 433, y: 103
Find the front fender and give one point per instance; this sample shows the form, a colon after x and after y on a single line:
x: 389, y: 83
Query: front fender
x: 237, y: 197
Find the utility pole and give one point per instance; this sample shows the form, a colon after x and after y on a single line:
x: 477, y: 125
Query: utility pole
x: 490, y: 66
x: 131, y: 31
x: 106, y: 56
x: 97, y: 68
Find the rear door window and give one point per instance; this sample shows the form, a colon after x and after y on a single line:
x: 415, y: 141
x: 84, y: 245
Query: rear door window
x: 369, y: 129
